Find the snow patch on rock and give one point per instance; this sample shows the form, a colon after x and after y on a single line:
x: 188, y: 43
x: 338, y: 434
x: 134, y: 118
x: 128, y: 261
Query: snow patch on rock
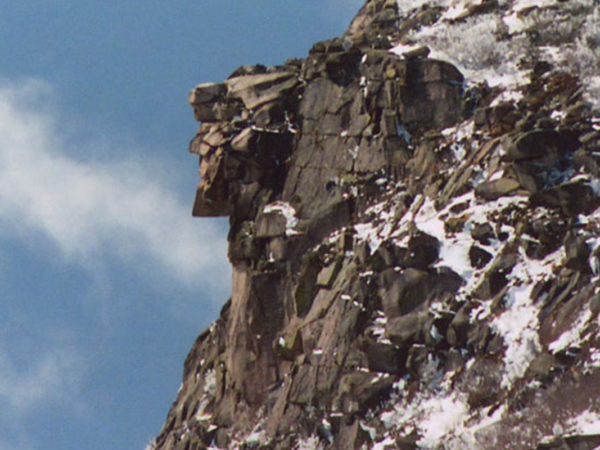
x: 288, y: 212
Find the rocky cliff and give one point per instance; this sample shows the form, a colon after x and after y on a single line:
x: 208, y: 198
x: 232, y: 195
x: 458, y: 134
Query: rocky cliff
x: 415, y: 226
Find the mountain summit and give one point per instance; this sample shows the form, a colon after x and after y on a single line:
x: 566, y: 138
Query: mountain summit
x: 414, y: 235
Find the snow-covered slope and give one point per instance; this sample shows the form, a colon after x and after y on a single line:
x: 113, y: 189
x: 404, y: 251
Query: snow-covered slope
x: 493, y: 42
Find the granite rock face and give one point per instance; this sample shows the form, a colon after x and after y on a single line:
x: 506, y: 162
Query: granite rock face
x: 415, y: 254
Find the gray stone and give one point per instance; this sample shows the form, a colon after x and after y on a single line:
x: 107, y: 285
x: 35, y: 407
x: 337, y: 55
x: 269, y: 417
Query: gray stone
x: 479, y: 257
x: 361, y: 390
x: 382, y: 357
x: 256, y: 90
x: 496, y: 278
x: 203, y: 98
x: 244, y: 141
x: 491, y: 190
x: 271, y: 224
x: 572, y: 198
x: 423, y: 251
x: 483, y: 233
x: 417, y: 361
x: 328, y: 274
x: 577, y: 253
x: 268, y: 114
x: 207, y: 93
x: 215, y: 136
x: 457, y: 331
x: 421, y: 51
x: 538, y: 143
x: 405, y: 291
x: 199, y: 147
x: 405, y: 330
x: 480, y: 382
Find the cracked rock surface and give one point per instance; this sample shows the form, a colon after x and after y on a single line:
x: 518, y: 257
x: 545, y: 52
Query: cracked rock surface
x: 414, y: 238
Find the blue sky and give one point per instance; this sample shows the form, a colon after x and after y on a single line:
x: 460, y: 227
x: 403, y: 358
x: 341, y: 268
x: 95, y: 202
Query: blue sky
x: 105, y: 278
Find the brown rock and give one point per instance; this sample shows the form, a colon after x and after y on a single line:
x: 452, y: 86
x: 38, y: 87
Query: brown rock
x: 491, y: 190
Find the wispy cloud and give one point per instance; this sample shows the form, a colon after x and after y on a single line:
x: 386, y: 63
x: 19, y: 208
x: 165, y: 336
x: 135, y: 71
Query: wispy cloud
x: 37, y: 377
x: 51, y: 375
x: 104, y: 213
x: 93, y: 209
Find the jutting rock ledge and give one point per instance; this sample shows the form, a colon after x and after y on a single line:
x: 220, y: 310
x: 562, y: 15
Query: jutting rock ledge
x: 414, y: 250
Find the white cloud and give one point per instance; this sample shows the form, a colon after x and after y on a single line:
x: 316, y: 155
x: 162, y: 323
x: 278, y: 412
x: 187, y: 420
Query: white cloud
x: 50, y: 376
x: 37, y: 378
x: 91, y: 209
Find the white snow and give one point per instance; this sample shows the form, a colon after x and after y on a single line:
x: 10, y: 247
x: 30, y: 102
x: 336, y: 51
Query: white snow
x: 518, y: 327
x: 376, y: 231
x: 454, y: 251
x: 210, y: 382
x: 400, y: 49
x: 455, y: 254
x: 368, y: 232
x: 428, y: 221
x: 587, y: 422
x: 594, y: 360
x: 405, y: 6
x: 460, y: 7
x: 595, y: 185
x: 436, y: 414
x: 520, y: 5
x: 310, y: 443
x: 459, y: 151
x: 514, y: 23
x: 485, y: 59
x: 442, y: 416
x: 490, y: 58
x: 370, y: 430
x: 519, y: 323
x: 508, y: 95
x: 572, y: 337
x: 378, y: 328
x: 255, y: 438
x: 554, y: 53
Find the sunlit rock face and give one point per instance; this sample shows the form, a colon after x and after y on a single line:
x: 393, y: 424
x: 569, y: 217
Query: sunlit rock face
x: 352, y: 108
x: 414, y: 237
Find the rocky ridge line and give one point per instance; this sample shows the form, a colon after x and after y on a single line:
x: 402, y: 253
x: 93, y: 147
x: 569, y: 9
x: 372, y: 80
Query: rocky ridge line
x: 415, y: 254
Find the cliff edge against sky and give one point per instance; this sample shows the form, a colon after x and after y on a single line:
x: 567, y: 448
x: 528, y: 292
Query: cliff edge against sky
x: 414, y: 234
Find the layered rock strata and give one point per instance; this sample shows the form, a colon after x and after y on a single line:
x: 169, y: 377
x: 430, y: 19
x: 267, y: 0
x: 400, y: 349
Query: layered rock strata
x: 415, y: 258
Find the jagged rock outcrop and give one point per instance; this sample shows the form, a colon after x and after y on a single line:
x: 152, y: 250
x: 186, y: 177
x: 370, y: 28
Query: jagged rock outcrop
x: 415, y: 254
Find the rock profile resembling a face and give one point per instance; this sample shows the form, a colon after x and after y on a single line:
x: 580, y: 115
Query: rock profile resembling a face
x: 351, y: 107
